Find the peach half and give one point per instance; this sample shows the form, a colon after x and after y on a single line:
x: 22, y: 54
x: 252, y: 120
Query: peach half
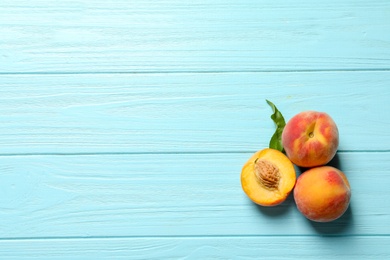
x: 322, y: 194
x: 268, y: 177
x: 310, y: 139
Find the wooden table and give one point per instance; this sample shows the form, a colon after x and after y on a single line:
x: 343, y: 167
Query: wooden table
x: 124, y: 126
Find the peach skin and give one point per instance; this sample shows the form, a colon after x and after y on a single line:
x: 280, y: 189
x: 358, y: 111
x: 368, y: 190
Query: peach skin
x: 310, y: 139
x: 322, y: 194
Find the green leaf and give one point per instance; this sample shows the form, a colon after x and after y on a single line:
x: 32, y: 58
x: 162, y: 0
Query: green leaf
x: 276, y: 139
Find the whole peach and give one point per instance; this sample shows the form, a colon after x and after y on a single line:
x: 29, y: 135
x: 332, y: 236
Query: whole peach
x: 310, y: 139
x: 322, y: 194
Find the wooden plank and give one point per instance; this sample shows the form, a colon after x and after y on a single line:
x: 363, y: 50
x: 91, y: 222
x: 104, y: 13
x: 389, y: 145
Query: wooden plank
x: 235, y: 35
x: 170, y: 195
x: 290, y: 247
x: 184, y: 112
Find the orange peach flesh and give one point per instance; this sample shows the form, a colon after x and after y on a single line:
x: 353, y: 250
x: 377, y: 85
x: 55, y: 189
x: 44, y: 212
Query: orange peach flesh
x: 322, y: 194
x: 260, y: 194
x: 310, y: 139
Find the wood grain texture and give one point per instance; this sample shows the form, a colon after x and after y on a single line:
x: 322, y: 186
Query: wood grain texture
x: 171, y: 195
x: 124, y: 125
x: 142, y: 36
x: 184, y: 112
x: 317, y: 247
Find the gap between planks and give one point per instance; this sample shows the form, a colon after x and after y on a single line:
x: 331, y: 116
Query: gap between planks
x: 162, y: 153
x: 195, y: 71
x: 183, y: 237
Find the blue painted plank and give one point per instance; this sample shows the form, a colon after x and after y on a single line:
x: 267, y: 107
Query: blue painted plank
x: 269, y: 247
x: 235, y: 35
x: 171, y: 195
x: 184, y: 112
x: 97, y: 162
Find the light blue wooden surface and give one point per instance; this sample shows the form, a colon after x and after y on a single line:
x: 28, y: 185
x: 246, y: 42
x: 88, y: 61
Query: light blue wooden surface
x: 124, y: 126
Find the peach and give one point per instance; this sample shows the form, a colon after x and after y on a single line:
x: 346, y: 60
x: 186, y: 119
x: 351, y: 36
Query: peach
x: 310, y: 139
x: 322, y: 194
x: 268, y: 177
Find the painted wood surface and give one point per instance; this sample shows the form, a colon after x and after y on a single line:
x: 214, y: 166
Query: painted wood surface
x: 202, y: 35
x: 286, y: 247
x: 223, y: 112
x: 124, y: 126
x: 170, y: 195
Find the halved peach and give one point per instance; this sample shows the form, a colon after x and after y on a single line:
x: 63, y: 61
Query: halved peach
x: 268, y: 177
